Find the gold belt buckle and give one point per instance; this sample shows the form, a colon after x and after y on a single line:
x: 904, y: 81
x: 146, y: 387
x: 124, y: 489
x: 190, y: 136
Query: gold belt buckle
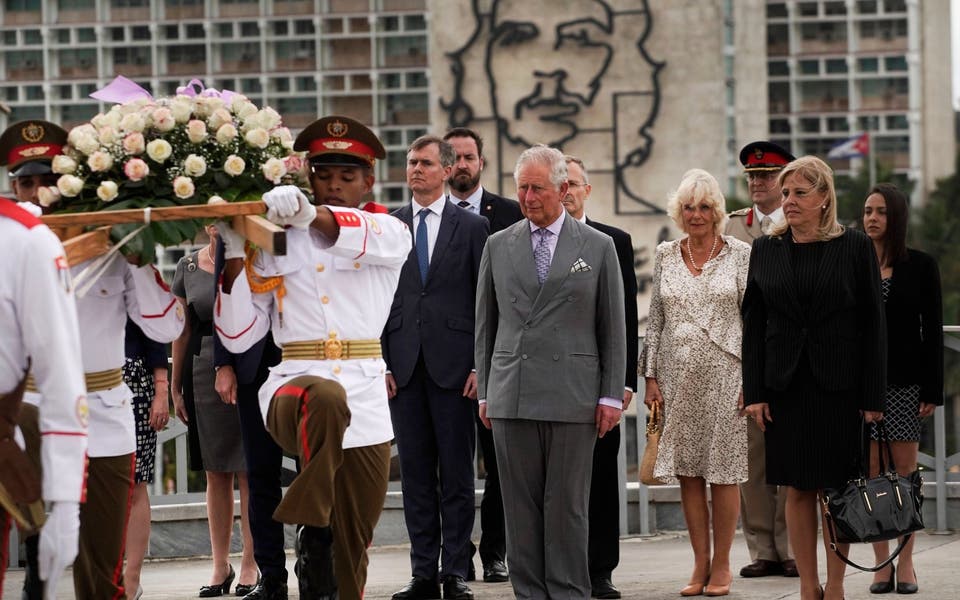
x: 333, y: 348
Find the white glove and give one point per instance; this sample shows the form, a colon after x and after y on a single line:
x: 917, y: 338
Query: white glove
x: 287, y: 205
x: 59, y: 541
x: 233, y: 242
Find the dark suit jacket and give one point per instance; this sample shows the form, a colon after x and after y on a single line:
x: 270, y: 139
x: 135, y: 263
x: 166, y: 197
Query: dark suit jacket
x: 843, y: 333
x: 624, y: 246
x: 915, y: 327
x: 437, y: 318
x: 500, y: 211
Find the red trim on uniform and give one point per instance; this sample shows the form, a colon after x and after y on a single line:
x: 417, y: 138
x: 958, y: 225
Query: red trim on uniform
x: 767, y: 158
x: 160, y: 281
x: 346, y: 218
x: 10, y: 210
x: 304, y: 415
x: 20, y: 154
x: 750, y: 218
x: 5, y: 550
x: 76, y: 433
x: 83, y: 480
x: 373, y: 207
x: 366, y: 234
x: 165, y: 311
x: 121, y: 592
x: 233, y: 337
x: 333, y: 145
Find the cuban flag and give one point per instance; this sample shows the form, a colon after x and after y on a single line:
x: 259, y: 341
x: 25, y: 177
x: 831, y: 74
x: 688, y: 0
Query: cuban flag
x: 855, y: 147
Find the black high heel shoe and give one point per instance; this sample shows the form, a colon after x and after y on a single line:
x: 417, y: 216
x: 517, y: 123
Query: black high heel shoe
x: 906, y: 587
x: 884, y: 587
x: 243, y: 589
x: 212, y: 591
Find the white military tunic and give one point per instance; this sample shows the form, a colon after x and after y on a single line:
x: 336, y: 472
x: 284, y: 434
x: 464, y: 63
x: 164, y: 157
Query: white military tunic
x: 345, y: 288
x: 38, y: 319
x: 123, y: 289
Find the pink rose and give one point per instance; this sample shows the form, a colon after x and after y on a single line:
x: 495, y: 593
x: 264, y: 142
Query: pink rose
x: 136, y: 169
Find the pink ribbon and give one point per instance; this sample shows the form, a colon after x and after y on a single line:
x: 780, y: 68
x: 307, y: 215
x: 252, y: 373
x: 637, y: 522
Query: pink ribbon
x: 120, y: 91
x: 196, y: 88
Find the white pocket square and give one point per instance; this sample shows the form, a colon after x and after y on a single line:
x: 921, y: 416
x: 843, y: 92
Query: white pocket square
x: 580, y: 266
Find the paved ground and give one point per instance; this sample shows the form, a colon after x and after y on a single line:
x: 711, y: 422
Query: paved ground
x: 654, y: 568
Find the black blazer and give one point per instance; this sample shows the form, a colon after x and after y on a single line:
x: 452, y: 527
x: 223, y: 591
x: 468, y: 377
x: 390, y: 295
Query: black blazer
x: 500, y: 211
x: 624, y: 246
x: 437, y: 318
x: 915, y: 326
x: 843, y: 332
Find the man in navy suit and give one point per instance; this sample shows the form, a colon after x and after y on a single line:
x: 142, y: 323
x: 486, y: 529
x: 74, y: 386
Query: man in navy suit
x: 604, y: 541
x: 427, y: 345
x: 466, y: 192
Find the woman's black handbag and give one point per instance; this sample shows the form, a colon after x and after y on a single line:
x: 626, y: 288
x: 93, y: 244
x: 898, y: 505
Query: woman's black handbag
x: 874, y: 509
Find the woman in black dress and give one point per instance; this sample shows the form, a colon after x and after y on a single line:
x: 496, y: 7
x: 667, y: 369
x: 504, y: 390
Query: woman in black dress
x: 814, y: 355
x: 911, y: 292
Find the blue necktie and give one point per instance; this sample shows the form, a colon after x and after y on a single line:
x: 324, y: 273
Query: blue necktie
x: 423, y: 248
x: 541, y: 255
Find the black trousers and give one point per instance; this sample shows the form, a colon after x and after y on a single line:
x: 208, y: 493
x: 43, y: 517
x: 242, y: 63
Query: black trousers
x: 264, y: 465
x: 603, y: 549
x: 493, y: 540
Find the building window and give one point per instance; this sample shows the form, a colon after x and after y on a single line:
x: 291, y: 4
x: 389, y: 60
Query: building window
x: 894, y: 6
x: 305, y: 84
x: 810, y: 125
x: 810, y: 67
x: 867, y: 7
x: 21, y: 5
x: 187, y: 55
x: 895, y: 63
x: 86, y: 34
x: 62, y: 36
x: 136, y: 55
x: 405, y: 51
x: 834, y: 8
x: 117, y: 34
x: 195, y: 31
x: 896, y: 122
x: 868, y: 65
x: 171, y: 32
x: 280, y: 27
x: 304, y: 28
x: 779, y: 126
x: 838, y: 124
x: 75, y: 4
x: 776, y: 10
x: 414, y: 23
x: 225, y: 30
x: 140, y: 33
x: 250, y: 86
x: 249, y: 29
x: 836, y: 65
x: 417, y: 79
x: 129, y: 3
x: 807, y: 9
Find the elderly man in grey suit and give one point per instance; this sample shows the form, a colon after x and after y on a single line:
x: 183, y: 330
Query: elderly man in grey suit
x: 550, y: 356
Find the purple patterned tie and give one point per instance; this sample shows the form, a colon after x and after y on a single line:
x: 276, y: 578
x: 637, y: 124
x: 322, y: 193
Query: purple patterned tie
x: 541, y: 254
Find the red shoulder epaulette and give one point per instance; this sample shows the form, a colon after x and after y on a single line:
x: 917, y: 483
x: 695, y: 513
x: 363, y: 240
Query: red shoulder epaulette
x: 9, y: 209
x: 373, y: 207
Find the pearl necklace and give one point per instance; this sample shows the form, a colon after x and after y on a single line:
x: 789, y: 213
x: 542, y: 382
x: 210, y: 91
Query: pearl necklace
x: 716, y: 239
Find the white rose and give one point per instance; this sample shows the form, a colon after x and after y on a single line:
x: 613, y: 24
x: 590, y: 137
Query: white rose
x: 226, y: 134
x: 216, y: 200
x: 133, y: 143
x: 181, y: 108
x: 274, y: 170
x: 159, y: 150
x: 63, y: 165
x: 194, y: 166
x: 183, y: 187
x: 107, y: 191
x: 163, y: 119
x: 258, y: 138
x: 48, y: 195
x: 219, y: 117
x: 282, y: 134
x: 269, y: 118
x: 99, y: 121
x: 100, y: 161
x: 132, y: 122
x: 69, y: 185
x: 234, y: 165
x: 84, y: 138
x: 106, y: 135
x: 196, y: 131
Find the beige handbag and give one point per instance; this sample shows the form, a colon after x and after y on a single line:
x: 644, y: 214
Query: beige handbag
x: 649, y: 460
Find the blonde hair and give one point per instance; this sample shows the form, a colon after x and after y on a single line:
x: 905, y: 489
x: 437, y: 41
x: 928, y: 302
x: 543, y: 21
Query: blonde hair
x: 820, y: 177
x: 697, y: 185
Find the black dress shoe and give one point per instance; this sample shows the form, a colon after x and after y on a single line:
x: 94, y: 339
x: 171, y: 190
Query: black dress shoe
x: 789, y: 567
x: 884, y: 587
x: 267, y: 589
x: 454, y: 588
x: 419, y: 588
x: 243, y: 589
x: 220, y: 589
x: 314, y: 566
x: 904, y: 587
x: 495, y: 572
x: 602, y: 587
x: 32, y: 585
x: 761, y: 568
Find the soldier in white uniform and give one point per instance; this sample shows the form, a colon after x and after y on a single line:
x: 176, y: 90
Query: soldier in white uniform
x: 326, y: 302
x: 38, y: 325
x: 762, y: 506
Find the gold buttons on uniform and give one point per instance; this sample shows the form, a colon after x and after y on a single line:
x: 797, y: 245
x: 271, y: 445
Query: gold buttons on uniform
x: 320, y: 268
x: 325, y: 299
x: 336, y: 370
x: 356, y: 265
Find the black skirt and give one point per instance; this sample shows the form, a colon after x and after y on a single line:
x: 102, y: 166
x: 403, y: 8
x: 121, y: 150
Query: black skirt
x: 815, y: 438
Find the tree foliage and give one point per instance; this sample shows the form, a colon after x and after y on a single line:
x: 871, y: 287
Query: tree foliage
x: 935, y: 229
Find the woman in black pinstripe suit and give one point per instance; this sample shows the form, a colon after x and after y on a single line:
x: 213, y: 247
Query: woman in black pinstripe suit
x: 814, y: 355
x: 912, y: 300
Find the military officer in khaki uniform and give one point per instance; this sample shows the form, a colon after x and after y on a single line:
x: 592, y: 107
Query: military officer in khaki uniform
x: 326, y: 303
x: 27, y: 149
x: 762, y: 506
x: 38, y: 326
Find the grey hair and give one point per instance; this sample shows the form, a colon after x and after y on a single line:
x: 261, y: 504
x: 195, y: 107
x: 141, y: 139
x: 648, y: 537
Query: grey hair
x: 448, y: 156
x: 583, y: 168
x: 546, y: 156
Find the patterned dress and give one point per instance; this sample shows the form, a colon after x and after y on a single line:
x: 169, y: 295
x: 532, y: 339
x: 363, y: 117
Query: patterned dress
x: 692, y: 347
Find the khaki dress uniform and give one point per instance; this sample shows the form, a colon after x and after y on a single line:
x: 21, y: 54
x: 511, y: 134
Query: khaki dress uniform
x: 762, y: 506
x: 38, y: 325
x: 121, y: 290
x: 326, y: 401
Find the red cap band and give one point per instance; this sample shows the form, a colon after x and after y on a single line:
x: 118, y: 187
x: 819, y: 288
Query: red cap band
x: 27, y: 152
x: 341, y: 146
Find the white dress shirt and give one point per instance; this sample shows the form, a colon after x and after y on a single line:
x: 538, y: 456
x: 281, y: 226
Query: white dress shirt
x: 473, y: 199
x: 433, y: 221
